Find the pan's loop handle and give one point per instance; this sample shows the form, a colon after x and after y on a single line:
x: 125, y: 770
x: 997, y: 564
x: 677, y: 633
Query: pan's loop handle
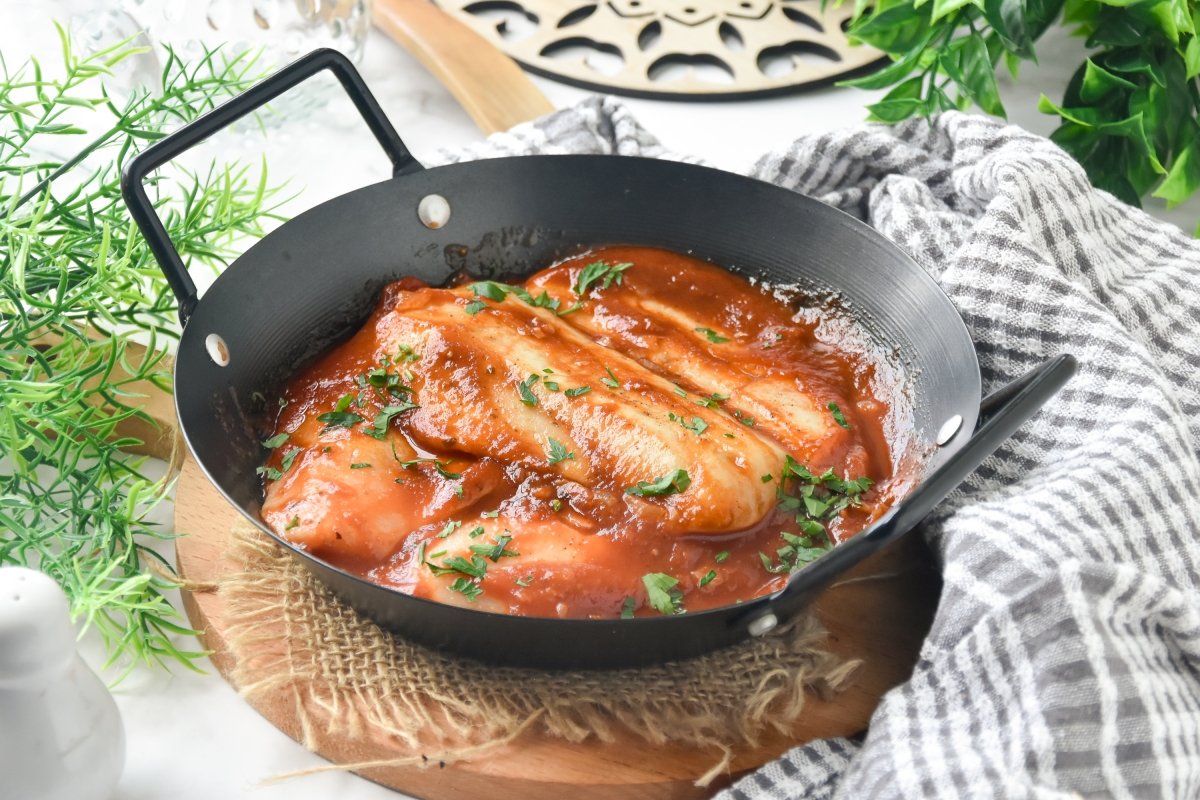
x: 168, y: 148
x: 1001, y: 414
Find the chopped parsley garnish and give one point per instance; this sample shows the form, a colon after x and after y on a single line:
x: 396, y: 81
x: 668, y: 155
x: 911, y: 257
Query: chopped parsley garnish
x: 493, y: 290
x: 721, y: 556
x: 578, y: 392
x: 289, y: 456
x: 450, y: 528
x: 558, y: 452
x: 628, y: 607
x: 712, y: 400
x: 662, y: 593
x: 383, y: 419
x: 404, y: 354
x: 490, y: 514
x: 599, y: 272
x: 475, y: 568
x: 361, y: 465
x: 712, y: 335
x: 696, y: 425
x: 796, y: 552
x: 344, y: 402
x: 495, y: 551
x: 270, y: 472
x: 339, y: 419
x: 556, y: 504
x: 275, y: 441
x: 768, y: 478
x: 445, y: 473
x: 611, y: 381
x: 838, y: 416
x: 708, y: 577
x: 528, y: 579
x: 292, y: 523
x: 467, y: 588
x: 678, y: 390
x: 673, y: 482
x: 525, y: 389
x: 551, y: 385
x: 476, y: 532
x: 490, y: 289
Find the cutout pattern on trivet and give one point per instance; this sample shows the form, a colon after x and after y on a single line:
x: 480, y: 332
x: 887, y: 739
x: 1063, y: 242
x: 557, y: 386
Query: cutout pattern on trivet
x: 293, y: 639
x: 673, y: 49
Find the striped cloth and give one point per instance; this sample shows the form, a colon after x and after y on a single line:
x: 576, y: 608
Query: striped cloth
x: 1064, y: 659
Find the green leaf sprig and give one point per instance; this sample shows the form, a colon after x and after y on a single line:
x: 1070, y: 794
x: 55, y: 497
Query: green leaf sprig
x: 1129, y: 114
x: 80, y: 297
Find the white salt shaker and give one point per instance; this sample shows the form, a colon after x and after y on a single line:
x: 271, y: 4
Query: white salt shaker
x: 61, y: 736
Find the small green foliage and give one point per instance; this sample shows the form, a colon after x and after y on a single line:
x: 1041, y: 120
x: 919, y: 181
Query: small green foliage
x: 662, y: 593
x: 1129, y: 115
x: 673, y: 482
x: 80, y: 295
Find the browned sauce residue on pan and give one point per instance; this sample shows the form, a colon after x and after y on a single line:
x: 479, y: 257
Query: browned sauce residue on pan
x: 632, y: 432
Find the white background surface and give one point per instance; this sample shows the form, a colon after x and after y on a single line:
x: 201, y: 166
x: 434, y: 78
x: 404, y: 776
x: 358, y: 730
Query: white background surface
x: 189, y: 737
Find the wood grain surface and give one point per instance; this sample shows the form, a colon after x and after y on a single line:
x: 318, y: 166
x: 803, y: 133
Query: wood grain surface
x: 880, y: 613
x: 489, y: 85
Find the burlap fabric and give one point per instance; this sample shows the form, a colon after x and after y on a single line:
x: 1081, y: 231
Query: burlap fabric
x: 348, y: 677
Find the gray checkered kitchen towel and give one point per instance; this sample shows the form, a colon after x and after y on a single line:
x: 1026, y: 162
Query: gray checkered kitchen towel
x: 1065, y: 656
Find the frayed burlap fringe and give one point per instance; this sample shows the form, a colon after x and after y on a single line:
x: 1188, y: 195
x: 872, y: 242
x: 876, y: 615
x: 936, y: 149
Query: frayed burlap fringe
x: 349, y: 678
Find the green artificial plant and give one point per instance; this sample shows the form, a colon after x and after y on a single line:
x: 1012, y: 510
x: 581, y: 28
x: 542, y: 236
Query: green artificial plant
x: 86, y: 316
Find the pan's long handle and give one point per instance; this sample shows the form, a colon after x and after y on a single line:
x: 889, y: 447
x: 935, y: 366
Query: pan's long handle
x: 135, y: 173
x: 1001, y: 413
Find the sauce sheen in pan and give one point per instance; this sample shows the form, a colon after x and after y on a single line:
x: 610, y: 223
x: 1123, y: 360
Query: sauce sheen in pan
x: 629, y: 432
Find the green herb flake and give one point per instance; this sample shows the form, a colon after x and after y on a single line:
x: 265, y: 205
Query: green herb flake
x: 275, y: 441
x: 339, y: 419
x: 292, y: 523
x: 474, y: 307
x: 599, y: 272
x: 628, y: 607
x: 490, y: 289
x: 490, y: 514
x: 445, y: 473
x: 525, y: 581
x: 289, y: 457
x: 383, y: 419
x: 525, y: 390
x: 578, y: 392
x: 611, y: 381
x: 721, y: 556
x: 712, y: 335
x: 556, y: 504
x: 838, y: 416
x: 708, y: 577
x: 713, y: 400
x: 558, y: 452
x: 768, y: 478
x: 270, y: 473
x: 495, y: 551
x: 450, y: 528
x: 673, y: 482
x: 360, y: 465
x: 662, y: 593
x: 476, y: 532
x: 550, y: 385
x: 467, y: 588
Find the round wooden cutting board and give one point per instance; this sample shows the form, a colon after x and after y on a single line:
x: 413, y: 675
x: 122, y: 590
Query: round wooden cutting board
x: 879, y: 614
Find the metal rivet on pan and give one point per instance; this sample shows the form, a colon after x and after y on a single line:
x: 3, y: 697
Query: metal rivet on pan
x: 948, y: 429
x: 433, y: 211
x: 218, y: 351
x: 763, y: 624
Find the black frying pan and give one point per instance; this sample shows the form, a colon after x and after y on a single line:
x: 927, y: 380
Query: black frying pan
x: 314, y: 280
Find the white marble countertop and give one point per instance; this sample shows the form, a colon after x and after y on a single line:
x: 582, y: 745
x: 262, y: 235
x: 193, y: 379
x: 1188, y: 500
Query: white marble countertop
x: 189, y: 737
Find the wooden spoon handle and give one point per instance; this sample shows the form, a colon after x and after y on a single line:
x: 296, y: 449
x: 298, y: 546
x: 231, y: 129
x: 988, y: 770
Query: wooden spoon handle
x: 489, y: 85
